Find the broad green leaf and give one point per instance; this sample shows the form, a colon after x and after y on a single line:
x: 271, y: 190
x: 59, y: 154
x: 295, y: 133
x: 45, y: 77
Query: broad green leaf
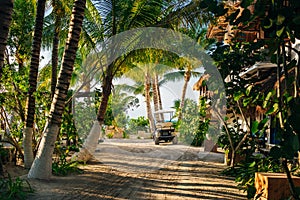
x: 248, y: 90
x: 269, y: 95
x: 254, y: 127
x: 280, y: 31
x: 270, y: 111
x: 238, y: 95
x: 276, y: 106
x: 252, y: 164
x: 246, y: 102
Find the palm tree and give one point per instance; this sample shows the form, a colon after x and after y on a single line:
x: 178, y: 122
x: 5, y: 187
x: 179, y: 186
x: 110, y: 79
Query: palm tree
x: 42, y: 165
x: 34, y: 67
x: 185, y: 72
x: 6, y: 8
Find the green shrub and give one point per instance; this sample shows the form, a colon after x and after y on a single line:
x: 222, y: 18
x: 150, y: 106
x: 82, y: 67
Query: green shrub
x: 62, y: 167
x: 193, y: 125
x: 244, y: 172
x: 11, y: 189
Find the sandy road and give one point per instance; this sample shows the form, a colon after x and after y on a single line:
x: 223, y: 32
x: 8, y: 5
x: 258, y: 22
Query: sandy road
x: 138, y: 169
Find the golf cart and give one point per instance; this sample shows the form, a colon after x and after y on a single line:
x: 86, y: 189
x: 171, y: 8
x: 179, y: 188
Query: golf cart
x: 164, y: 129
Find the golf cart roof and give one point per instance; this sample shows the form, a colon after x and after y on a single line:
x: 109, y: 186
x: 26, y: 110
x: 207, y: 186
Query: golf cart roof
x: 164, y: 111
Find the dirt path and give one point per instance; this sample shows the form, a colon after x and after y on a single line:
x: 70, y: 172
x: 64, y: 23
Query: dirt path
x: 140, y: 170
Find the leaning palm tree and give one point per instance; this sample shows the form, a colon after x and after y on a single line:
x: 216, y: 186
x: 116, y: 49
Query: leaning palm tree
x: 6, y: 9
x: 42, y: 165
x: 34, y: 67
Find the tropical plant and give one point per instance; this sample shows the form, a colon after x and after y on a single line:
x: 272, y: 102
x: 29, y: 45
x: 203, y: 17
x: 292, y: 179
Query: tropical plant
x: 194, y: 125
x: 138, y: 124
x: 21, y: 33
x: 17, y: 188
x: 244, y: 172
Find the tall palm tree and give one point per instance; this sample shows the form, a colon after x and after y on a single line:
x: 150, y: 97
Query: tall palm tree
x: 185, y: 72
x: 6, y: 8
x: 34, y: 67
x: 42, y: 165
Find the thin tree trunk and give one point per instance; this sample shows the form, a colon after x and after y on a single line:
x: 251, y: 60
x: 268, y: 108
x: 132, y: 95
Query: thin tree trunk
x: 55, y: 54
x: 155, y: 99
x: 187, y: 77
x: 6, y: 9
x: 159, y: 97
x: 34, y: 67
x: 42, y: 165
x: 148, y: 102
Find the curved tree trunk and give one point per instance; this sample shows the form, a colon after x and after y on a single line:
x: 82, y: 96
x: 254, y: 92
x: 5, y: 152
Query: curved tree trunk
x: 33, y: 73
x: 6, y: 8
x: 42, y: 165
x: 148, y: 102
x: 187, y: 77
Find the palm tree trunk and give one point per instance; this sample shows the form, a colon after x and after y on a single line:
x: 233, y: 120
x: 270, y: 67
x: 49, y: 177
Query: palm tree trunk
x: 159, y: 97
x: 187, y: 77
x: 148, y: 102
x: 34, y: 67
x: 6, y: 8
x: 54, y: 58
x: 155, y: 99
x: 106, y: 91
x: 42, y: 165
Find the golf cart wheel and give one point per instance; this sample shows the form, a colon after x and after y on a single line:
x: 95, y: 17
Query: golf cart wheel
x: 175, y: 140
x: 156, y: 140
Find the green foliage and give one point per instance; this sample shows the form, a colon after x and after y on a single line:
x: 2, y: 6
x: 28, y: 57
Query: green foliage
x: 194, y: 125
x: 17, y: 188
x: 21, y: 30
x: 244, y: 172
x: 139, y: 124
x: 84, y: 117
x: 110, y: 135
x: 68, y: 141
x: 62, y: 167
